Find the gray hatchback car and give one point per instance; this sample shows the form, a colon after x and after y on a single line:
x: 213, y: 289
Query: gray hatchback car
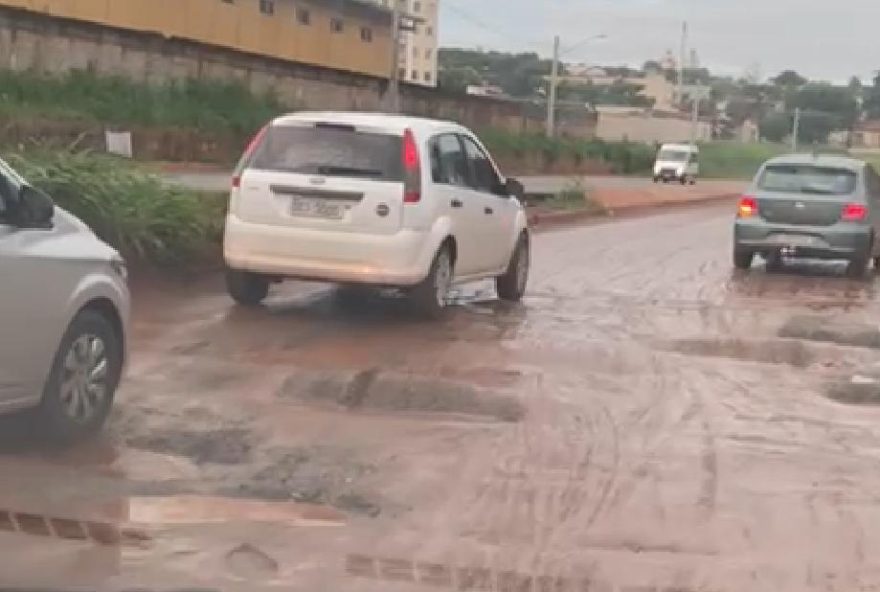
x: 64, y: 308
x: 812, y: 206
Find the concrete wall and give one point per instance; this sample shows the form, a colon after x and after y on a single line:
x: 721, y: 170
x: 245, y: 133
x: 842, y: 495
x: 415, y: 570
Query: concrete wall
x: 31, y: 41
x: 647, y: 128
x: 301, y: 31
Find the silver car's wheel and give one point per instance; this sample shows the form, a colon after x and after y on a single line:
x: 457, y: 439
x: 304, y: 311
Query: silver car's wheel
x: 84, y: 379
x: 85, y: 373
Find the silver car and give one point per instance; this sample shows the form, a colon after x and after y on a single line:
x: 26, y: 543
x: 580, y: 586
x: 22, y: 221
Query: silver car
x: 825, y: 207
x: 64, y: 308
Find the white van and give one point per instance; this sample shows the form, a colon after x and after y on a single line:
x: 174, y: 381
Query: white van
x: 677, y: 162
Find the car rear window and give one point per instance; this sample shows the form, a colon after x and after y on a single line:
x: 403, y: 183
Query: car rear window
x: 795, y: 178
x: 330, y: 150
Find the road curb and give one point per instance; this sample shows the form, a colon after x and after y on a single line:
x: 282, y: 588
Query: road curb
x: 545, y: 220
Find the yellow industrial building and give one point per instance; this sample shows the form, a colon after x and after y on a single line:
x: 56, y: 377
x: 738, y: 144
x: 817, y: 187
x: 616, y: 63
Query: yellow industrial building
x: 350, y: 35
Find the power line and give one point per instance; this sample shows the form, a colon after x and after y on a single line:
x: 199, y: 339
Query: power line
x: 465, y: 15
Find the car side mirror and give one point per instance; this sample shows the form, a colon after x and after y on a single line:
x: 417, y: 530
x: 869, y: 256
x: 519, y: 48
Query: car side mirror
x: 513, y: 188
x: 33, y: 209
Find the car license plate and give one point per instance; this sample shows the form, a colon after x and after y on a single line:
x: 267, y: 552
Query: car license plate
x: 314, y: 207
x: 795, y: 240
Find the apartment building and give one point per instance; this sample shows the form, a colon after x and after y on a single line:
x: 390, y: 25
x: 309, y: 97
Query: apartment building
x: 418, y: 44
x: 348, y: 35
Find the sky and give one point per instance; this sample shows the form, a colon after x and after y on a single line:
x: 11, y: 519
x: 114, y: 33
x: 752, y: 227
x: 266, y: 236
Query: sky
x: 821, y: 39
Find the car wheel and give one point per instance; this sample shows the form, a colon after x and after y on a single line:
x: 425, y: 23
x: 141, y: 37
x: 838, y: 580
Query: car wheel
x: 683, y: 180
x: 512, y: 285
x: 656, y: 179
x: 430, y: 296
x: 247, y: 289
x: 774, y: 262
x: 742, y: 258
x: 82, y: 382
x: 693, y: 180
x: 857, y: 266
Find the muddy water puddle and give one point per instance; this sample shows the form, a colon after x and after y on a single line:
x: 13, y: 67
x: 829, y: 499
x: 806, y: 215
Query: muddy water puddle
x: 789, y: 352
x: 375, y: 390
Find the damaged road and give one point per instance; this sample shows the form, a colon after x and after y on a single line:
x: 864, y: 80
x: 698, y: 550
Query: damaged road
x: 649, y: 419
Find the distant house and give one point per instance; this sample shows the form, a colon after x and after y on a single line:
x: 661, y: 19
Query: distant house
x: 485, y: 90
x: 867, y: 134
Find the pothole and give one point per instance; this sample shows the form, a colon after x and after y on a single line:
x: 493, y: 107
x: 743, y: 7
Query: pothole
x: 372, y: 390
x: 314, y: 475
x: 822, y: 329
x: 858, y: 389
x: 776, y: 351
x: 222, y: 446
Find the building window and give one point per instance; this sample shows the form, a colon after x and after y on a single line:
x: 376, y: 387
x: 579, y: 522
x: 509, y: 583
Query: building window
x: 427, y: 77
x: 429, y: 31
x: 228, y: 1
x: 336, y: 25
x: 303, y: 16
x: 415, y: 75
x: 366, y: 34
x: 415, y: 51
x: 417, y: 6
x: 428, y: 53
x: 401, y: 73
x: 267, y: 7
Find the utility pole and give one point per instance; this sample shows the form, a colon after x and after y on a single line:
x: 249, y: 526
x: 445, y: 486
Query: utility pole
x: 695, y: 119
x: 393, y: 102
x: 551, y: 95
x: 681, y: 60
x: 796, y: 128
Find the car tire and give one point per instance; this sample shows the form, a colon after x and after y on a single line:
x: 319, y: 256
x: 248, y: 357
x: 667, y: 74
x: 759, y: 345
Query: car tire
x: 82, y: 383
x: 857, y: 266
x: 693, y: 180
x: 247, y: 289
x: 743, y: 258
x: 430, y: 296
x: 683, y: 180
x: 656, y: 179
x: 512, y: 285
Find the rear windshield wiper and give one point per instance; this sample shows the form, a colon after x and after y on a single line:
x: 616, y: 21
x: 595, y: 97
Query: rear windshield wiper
x: 817, y: 190
x: 348, y: 171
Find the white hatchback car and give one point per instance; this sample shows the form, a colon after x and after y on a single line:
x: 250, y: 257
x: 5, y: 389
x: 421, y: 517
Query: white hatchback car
x: 372, y: 199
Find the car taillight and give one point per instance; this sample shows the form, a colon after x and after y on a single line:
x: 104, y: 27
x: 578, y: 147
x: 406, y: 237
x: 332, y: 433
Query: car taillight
x: 412, y: 170
x: 246, y: 157
x: 853, y: 212
x: 748, y: 207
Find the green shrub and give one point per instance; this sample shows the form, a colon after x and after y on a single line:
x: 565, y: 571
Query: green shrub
x: 132, y: 210
x: 81, y: 95
x: 626, y: 158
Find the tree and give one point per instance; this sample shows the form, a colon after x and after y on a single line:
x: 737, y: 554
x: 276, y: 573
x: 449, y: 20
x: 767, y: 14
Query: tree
x: 833, y: 106
x: 872, y: 99
x: 815, y: 127
x: 520, y: 75
x: 789, y: 78
x: 652, y: 66
x: 775, y: 127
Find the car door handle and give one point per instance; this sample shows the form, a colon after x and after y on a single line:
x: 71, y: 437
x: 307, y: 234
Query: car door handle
x: 488, y: 210
x: 456, y: 203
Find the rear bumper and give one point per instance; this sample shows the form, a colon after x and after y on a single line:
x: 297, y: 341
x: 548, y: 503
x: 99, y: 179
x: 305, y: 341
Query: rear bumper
x: 400, y: 259
x: 841, y: 240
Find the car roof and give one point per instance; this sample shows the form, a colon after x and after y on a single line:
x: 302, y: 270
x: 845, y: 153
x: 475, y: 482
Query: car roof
x: 821, y: 160
x: 684, y: 147
x: 377, y: 121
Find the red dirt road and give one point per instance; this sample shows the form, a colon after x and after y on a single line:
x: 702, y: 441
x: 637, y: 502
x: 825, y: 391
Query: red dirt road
x: 638, y: 424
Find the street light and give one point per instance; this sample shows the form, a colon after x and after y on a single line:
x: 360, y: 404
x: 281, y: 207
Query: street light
x: 554, y: 77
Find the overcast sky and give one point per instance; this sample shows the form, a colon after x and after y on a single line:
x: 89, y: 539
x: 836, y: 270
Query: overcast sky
x: 822, y: 39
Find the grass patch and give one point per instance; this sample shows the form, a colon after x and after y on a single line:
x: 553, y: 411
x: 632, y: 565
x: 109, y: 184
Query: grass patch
x: 80, y: 95
x: 574, y: 197
x: 625, y: 158
x: 129, y: 208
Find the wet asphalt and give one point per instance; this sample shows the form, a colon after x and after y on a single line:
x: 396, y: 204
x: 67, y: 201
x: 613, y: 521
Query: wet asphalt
x: 648, y: 419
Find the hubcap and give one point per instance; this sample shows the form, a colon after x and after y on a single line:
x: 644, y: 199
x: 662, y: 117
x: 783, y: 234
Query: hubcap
x: 522, y: 269
x: 84, y: 378
x: 442, y: 279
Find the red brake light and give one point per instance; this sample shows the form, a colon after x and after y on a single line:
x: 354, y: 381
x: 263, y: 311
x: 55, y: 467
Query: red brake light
x: 246, y: 157
x: 412, y: 173
x: 748, y: 206
x: 853, y: 212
